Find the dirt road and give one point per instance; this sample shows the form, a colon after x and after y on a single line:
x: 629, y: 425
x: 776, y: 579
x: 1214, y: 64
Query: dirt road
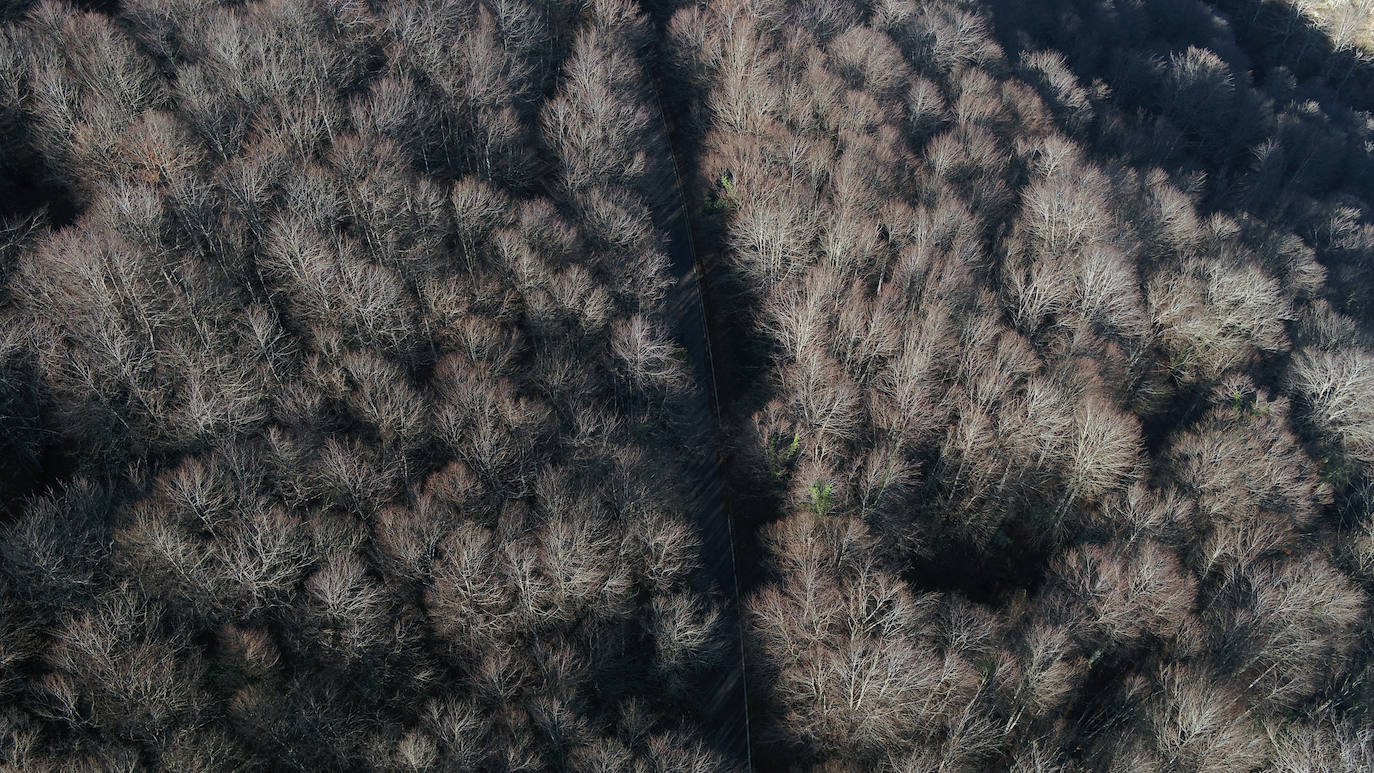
x: 724, y: 699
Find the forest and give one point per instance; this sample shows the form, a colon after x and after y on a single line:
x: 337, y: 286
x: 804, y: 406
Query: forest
x: 680, y: 386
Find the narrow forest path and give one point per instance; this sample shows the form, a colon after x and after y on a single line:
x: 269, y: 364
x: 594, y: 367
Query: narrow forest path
x: 725, y: 702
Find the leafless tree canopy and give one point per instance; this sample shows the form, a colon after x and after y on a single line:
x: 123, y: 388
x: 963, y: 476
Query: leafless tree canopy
x: 347, y: 395
x: 1061, y: 332
x: 365, y: 366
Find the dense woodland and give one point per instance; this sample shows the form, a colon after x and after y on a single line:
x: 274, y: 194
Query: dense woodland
x: 341, y: 415
x: 1056, y: 394
x: 356, y: 403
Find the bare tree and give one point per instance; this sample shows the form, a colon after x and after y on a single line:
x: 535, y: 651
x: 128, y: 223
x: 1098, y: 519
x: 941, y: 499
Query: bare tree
x: 648, y: 356
x: 667, y: 547
x: 1214, y: 319
x: 868, y: 60
x: 457, y: 726
x: 1336, y: 387
x: 1057, y: 84
x: 382, y: 399
x: 1104, y: 452
x: 1254, y: 486
x: 772, y: 235
x: 798, y: 317
x: 596, y: 126
x: 1286, y: 627
x: 1198, y: 725
x: 1113, y: 601
x: 688, y: 637
x: 347, y: 614
x: 1038, y: 757
x: 393, y: 107
x: 828, y: 405
x: 1200, y: 82
x: 1049, y: 668
x: 1322, y: 746
x: 87, y: 84
x: 354, y: 477
x: 469, y: 601
x: 868, y: 332
x: 133, y: 682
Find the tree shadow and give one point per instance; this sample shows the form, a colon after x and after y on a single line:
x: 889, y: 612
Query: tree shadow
x: 28, y: 190
x: 1281, y: 78
x: 1278, y: 34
